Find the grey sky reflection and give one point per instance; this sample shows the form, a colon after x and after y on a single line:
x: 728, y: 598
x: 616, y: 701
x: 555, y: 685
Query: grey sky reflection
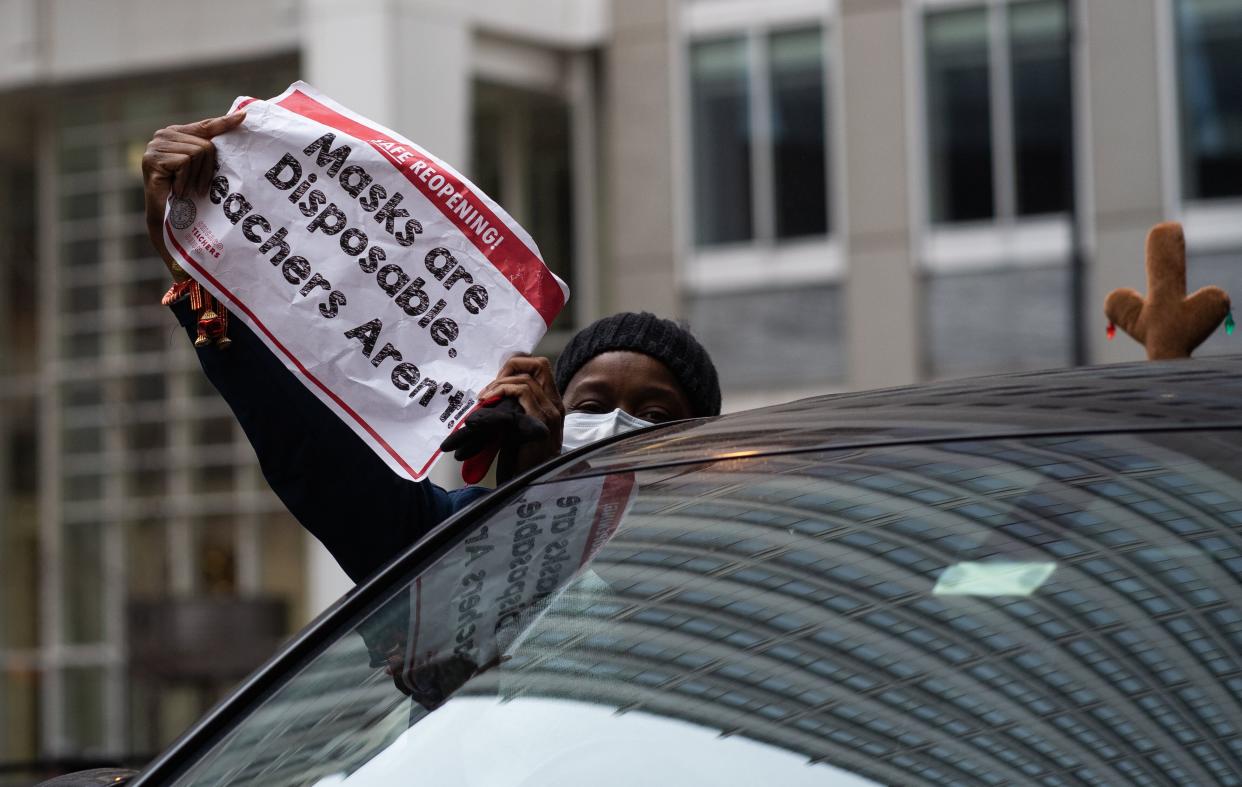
x: 478, y: 742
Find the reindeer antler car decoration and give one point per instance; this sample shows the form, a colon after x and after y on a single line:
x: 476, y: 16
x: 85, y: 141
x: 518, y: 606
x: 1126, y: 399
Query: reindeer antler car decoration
x: 1168, y: 322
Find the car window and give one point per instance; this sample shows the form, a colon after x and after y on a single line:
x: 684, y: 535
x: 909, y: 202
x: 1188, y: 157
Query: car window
x: 1057, y: 610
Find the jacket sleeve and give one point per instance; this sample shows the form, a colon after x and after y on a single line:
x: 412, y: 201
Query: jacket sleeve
x: 331, y: 481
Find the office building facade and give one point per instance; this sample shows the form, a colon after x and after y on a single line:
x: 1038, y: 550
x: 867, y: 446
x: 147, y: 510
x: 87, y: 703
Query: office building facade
x: 836, y: 194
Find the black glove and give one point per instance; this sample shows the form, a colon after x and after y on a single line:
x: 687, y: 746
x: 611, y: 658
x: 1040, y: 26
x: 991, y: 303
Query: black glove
x: 491, y: 426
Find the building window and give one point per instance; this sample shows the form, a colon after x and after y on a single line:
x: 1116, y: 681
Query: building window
x: 757, y: 136
x: 799, y: 160
x: 1209, y: 36
x: 998, y: 111
x: 1042, y: 106
x: 125, y: 461
x: 721, y: 140
x: 522, y: 159
x: 958, y: 116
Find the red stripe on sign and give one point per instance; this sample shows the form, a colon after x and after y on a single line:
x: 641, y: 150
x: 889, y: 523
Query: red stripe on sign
x: 517, y: 263
x: 613, y: 498
x: 236, y: 304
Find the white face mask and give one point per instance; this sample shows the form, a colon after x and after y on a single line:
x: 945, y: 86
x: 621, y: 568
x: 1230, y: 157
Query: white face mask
x: 582, y: 429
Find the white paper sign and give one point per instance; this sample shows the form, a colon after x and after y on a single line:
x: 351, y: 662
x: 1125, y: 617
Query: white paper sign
x: 385, y: 280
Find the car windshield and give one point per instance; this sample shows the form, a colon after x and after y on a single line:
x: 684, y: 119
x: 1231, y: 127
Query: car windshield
x: 1053, y: 610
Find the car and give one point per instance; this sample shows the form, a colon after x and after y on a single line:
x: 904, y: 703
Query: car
x: 1032, y: 578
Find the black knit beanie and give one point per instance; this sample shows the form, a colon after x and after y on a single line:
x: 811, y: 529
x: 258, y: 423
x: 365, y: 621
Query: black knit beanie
x: 664, y: 340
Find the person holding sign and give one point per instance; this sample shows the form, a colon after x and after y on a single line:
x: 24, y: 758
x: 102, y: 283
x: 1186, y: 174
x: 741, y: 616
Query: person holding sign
x: 620, y: 373
x: 388, y: 283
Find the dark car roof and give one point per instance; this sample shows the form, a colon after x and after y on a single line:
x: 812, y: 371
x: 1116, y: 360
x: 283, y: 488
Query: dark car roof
x: 1167, y: 395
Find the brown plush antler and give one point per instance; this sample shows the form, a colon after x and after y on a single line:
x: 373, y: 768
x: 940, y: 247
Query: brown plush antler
x: 1168, y: 323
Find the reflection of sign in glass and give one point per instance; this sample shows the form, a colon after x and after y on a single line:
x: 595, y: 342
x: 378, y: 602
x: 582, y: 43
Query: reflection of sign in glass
x: 474, y: 604
x: 994, y: 578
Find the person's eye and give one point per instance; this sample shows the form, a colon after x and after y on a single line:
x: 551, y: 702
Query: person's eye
x: 587, y: 407
x: 655, y: 416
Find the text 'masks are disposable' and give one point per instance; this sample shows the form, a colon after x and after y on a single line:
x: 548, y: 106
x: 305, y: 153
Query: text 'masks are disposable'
x: 389, y: 284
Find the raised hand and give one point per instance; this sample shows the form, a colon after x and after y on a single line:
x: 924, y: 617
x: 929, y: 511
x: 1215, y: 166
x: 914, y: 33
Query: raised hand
x: 527, y: 431
x: 179, y: 160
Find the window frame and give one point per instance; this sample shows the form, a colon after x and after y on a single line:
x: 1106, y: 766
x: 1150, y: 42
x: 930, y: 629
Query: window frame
x: 764, y: 260
x: 1007, y: 240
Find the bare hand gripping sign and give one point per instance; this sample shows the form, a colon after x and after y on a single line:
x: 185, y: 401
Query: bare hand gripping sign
x: 386, y: 281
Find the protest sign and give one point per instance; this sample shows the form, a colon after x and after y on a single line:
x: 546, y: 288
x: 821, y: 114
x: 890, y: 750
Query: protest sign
x: 492, y: 586
x: 383, y: 279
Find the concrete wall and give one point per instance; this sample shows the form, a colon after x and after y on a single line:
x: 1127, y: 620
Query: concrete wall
x: 882, y: 304
x: 1121, y: 75
x: 376, y: 56
x: 49, y: 41
x: 45, y: 41
x: 639, y: 270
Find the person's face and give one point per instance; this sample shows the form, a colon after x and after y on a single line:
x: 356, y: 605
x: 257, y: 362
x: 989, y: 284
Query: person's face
x: 636, y: 383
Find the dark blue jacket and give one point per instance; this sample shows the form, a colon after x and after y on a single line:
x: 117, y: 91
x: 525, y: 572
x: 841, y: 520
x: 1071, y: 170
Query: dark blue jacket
x: 364, y: 513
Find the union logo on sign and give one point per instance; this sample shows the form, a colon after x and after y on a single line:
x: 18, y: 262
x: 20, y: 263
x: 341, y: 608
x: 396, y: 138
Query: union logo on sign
x: 182, y: 213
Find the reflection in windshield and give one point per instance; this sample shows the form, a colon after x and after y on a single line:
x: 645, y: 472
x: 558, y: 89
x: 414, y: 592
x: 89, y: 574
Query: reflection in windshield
x: 462, y: 616
x: 993, y: 578
x: 476, y: 742
x: 791, y: 601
